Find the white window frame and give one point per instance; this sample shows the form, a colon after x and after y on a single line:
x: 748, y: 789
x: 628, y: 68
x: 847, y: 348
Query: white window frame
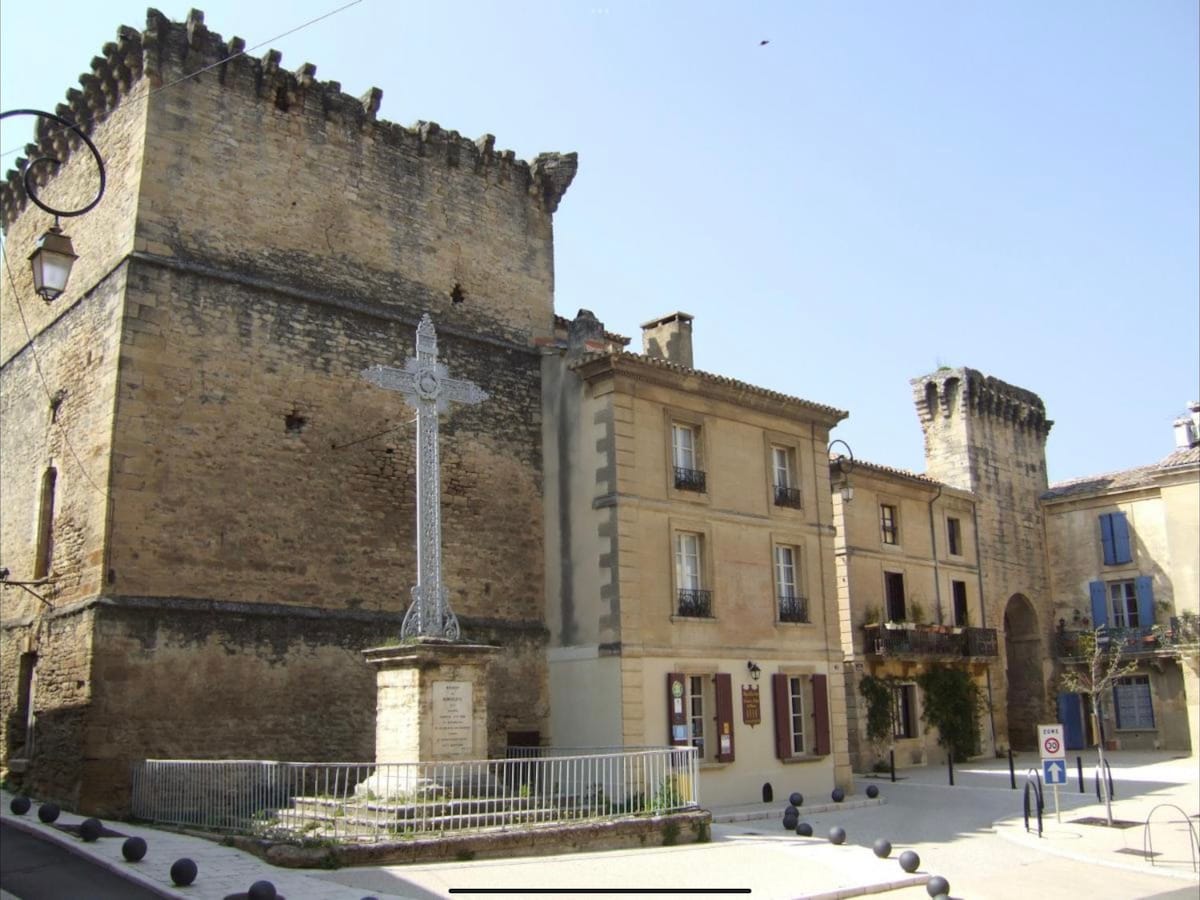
x: 1122, y: 604
x: 685, y: 453
x: 787, y: 572
x: 782, y: 467
x: 689, y: 546
x: 796, y: 713
x: 700, y: 697
x: 894, y: 524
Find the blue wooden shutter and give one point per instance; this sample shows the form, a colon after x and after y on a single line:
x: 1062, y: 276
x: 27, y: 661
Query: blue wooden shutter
x: 1106, y: 539
x: 1122, y: 552
x: 1143, y: 586
x: 1099, y: 603
x: 1117, y: 703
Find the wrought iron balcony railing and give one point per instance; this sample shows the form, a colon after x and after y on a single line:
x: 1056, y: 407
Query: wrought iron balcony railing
x: 1155, y: 640
x: 793, y: 609
x: 906, y: 639
x: 689, y: 480
x: 695, y: 604
x: 787, y: 496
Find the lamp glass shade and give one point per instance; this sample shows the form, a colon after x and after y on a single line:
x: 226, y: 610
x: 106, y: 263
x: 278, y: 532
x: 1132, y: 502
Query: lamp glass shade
x: 51, y: 263
x: 847, y: 493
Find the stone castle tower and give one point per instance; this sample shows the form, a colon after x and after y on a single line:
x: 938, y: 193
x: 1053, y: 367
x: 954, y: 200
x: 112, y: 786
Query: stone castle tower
x: 229, y: 505
x: 988, y: 437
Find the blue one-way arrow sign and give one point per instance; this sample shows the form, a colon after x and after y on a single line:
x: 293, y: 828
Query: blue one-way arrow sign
x: 1054, y: 771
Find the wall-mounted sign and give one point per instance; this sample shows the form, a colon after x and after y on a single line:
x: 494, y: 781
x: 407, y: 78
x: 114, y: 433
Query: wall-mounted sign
x: 751, y: 708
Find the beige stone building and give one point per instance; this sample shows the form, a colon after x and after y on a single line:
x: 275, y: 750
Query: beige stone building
x: 909, y: 598
x: 1124, y: 552
x: 219, y: 508
x: 689, y: 560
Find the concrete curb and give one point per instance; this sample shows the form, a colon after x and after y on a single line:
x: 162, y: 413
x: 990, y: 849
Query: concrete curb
x: 756, y: 815
x: 1014, y: 832
x: 51, y: 835
x: 911, y: 881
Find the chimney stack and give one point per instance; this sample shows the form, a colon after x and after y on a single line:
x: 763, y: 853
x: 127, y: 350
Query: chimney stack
x: 1187, y: 428
x: 669, y: 338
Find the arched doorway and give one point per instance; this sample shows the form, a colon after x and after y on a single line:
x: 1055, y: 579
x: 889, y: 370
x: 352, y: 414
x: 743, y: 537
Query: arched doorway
x: 1023, y: 657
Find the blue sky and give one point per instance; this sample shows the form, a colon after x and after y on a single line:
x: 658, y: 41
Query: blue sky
x: 881, y: 189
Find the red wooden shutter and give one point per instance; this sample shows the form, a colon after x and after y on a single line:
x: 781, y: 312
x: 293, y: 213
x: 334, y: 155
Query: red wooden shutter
x: 781, y: 699
x: 821, y: 714
x: 724, y: 691
x: 677, y: 721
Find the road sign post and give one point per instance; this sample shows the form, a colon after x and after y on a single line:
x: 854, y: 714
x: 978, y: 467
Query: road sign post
x: 1053, y: 750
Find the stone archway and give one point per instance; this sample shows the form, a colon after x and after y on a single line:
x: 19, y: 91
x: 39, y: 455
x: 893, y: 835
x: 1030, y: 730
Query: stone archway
x: 1023, y: 658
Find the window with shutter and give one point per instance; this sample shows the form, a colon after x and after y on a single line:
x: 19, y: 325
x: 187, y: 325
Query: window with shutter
x: 1114, y: 539
x: 722, y: 684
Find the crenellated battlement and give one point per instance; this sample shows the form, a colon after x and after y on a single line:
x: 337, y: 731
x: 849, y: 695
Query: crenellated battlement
x: 166, y: 52
x: 950, y: 392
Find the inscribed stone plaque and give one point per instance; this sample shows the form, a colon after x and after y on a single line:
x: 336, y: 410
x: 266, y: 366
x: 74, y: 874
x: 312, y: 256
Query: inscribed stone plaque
x: 453, y: 715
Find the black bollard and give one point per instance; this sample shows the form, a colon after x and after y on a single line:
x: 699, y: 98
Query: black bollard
x: 950, y: 765
x: 892, y: 763
x: 1079, y: 771
x: 1012, y: 773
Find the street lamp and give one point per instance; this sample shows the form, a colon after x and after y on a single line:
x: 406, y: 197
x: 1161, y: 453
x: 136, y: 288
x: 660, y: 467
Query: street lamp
x: 51, y: 263
x: 845, y: 465
x: 53, y: 256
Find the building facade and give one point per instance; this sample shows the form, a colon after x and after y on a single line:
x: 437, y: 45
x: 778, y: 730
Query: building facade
x: 909, y: 599
x: 690, y: 566
x: 218, y: 509
x: 1124, y: 551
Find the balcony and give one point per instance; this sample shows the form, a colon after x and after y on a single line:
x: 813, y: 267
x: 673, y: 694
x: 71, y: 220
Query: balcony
x: 793, y: 609
x: 694, y: 604
x: 787, y: 496
x: 902, y: 639
x: 689, y: 480
x: 1156, y: 641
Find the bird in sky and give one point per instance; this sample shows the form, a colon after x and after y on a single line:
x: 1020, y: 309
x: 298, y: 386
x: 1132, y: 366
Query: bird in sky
x: 763, y: 43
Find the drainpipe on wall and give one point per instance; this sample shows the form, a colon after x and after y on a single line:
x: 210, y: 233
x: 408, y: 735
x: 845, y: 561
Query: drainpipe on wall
x: 937, y: 578
x: 983, y: 620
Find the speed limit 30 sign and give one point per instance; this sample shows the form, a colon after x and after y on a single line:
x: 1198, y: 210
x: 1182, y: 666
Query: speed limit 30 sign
x: 1050, y: 742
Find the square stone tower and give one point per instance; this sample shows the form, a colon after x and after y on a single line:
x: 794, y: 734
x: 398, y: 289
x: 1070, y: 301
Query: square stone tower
x: 229, y: 505
x: 989, y: 437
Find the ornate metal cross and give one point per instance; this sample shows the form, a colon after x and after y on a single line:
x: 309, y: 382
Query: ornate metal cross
x: 427, y: 385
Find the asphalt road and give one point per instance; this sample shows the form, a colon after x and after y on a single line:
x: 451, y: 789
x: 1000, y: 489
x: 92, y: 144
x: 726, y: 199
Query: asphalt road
x: 37, y: 870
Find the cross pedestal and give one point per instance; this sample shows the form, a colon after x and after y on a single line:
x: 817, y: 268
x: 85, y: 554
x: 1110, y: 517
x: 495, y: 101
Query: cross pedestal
x: 431, y: 690
x: 431, y: 706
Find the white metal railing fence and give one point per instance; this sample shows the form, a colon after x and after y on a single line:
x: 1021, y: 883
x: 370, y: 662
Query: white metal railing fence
x: 380, y: 801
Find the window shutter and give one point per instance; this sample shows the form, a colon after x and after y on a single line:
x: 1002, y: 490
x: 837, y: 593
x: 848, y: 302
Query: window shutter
x: 1143, y: 586
x: 1122, y: 552
x: 1106, y: 539
x: 724, y: 691
x: 1099, y: 603
x: 821, y: 714
x: 677, y: 731
x: 1117, y: 703
x: 782, y: 701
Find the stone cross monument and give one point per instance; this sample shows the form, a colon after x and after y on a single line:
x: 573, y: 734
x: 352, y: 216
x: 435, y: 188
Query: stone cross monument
x: 426, y: 384
x: 432, y: 688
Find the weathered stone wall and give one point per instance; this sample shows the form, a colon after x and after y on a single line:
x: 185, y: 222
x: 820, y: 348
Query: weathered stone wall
x: 61, y: 694
x: 254, y: 169
x: 989, y: 437
x: 264, y: 238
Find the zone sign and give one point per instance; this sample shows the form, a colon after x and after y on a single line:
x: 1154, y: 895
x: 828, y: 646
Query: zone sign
x: 1050, y: 742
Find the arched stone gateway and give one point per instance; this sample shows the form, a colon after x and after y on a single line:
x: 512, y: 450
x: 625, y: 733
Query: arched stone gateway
x: 1023, y: 652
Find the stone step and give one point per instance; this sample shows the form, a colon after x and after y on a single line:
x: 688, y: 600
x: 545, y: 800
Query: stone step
x: 402, y: 811
x: 302, y: 822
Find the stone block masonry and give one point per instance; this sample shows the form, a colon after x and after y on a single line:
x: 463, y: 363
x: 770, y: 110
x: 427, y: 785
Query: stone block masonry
x: 246, y: 526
